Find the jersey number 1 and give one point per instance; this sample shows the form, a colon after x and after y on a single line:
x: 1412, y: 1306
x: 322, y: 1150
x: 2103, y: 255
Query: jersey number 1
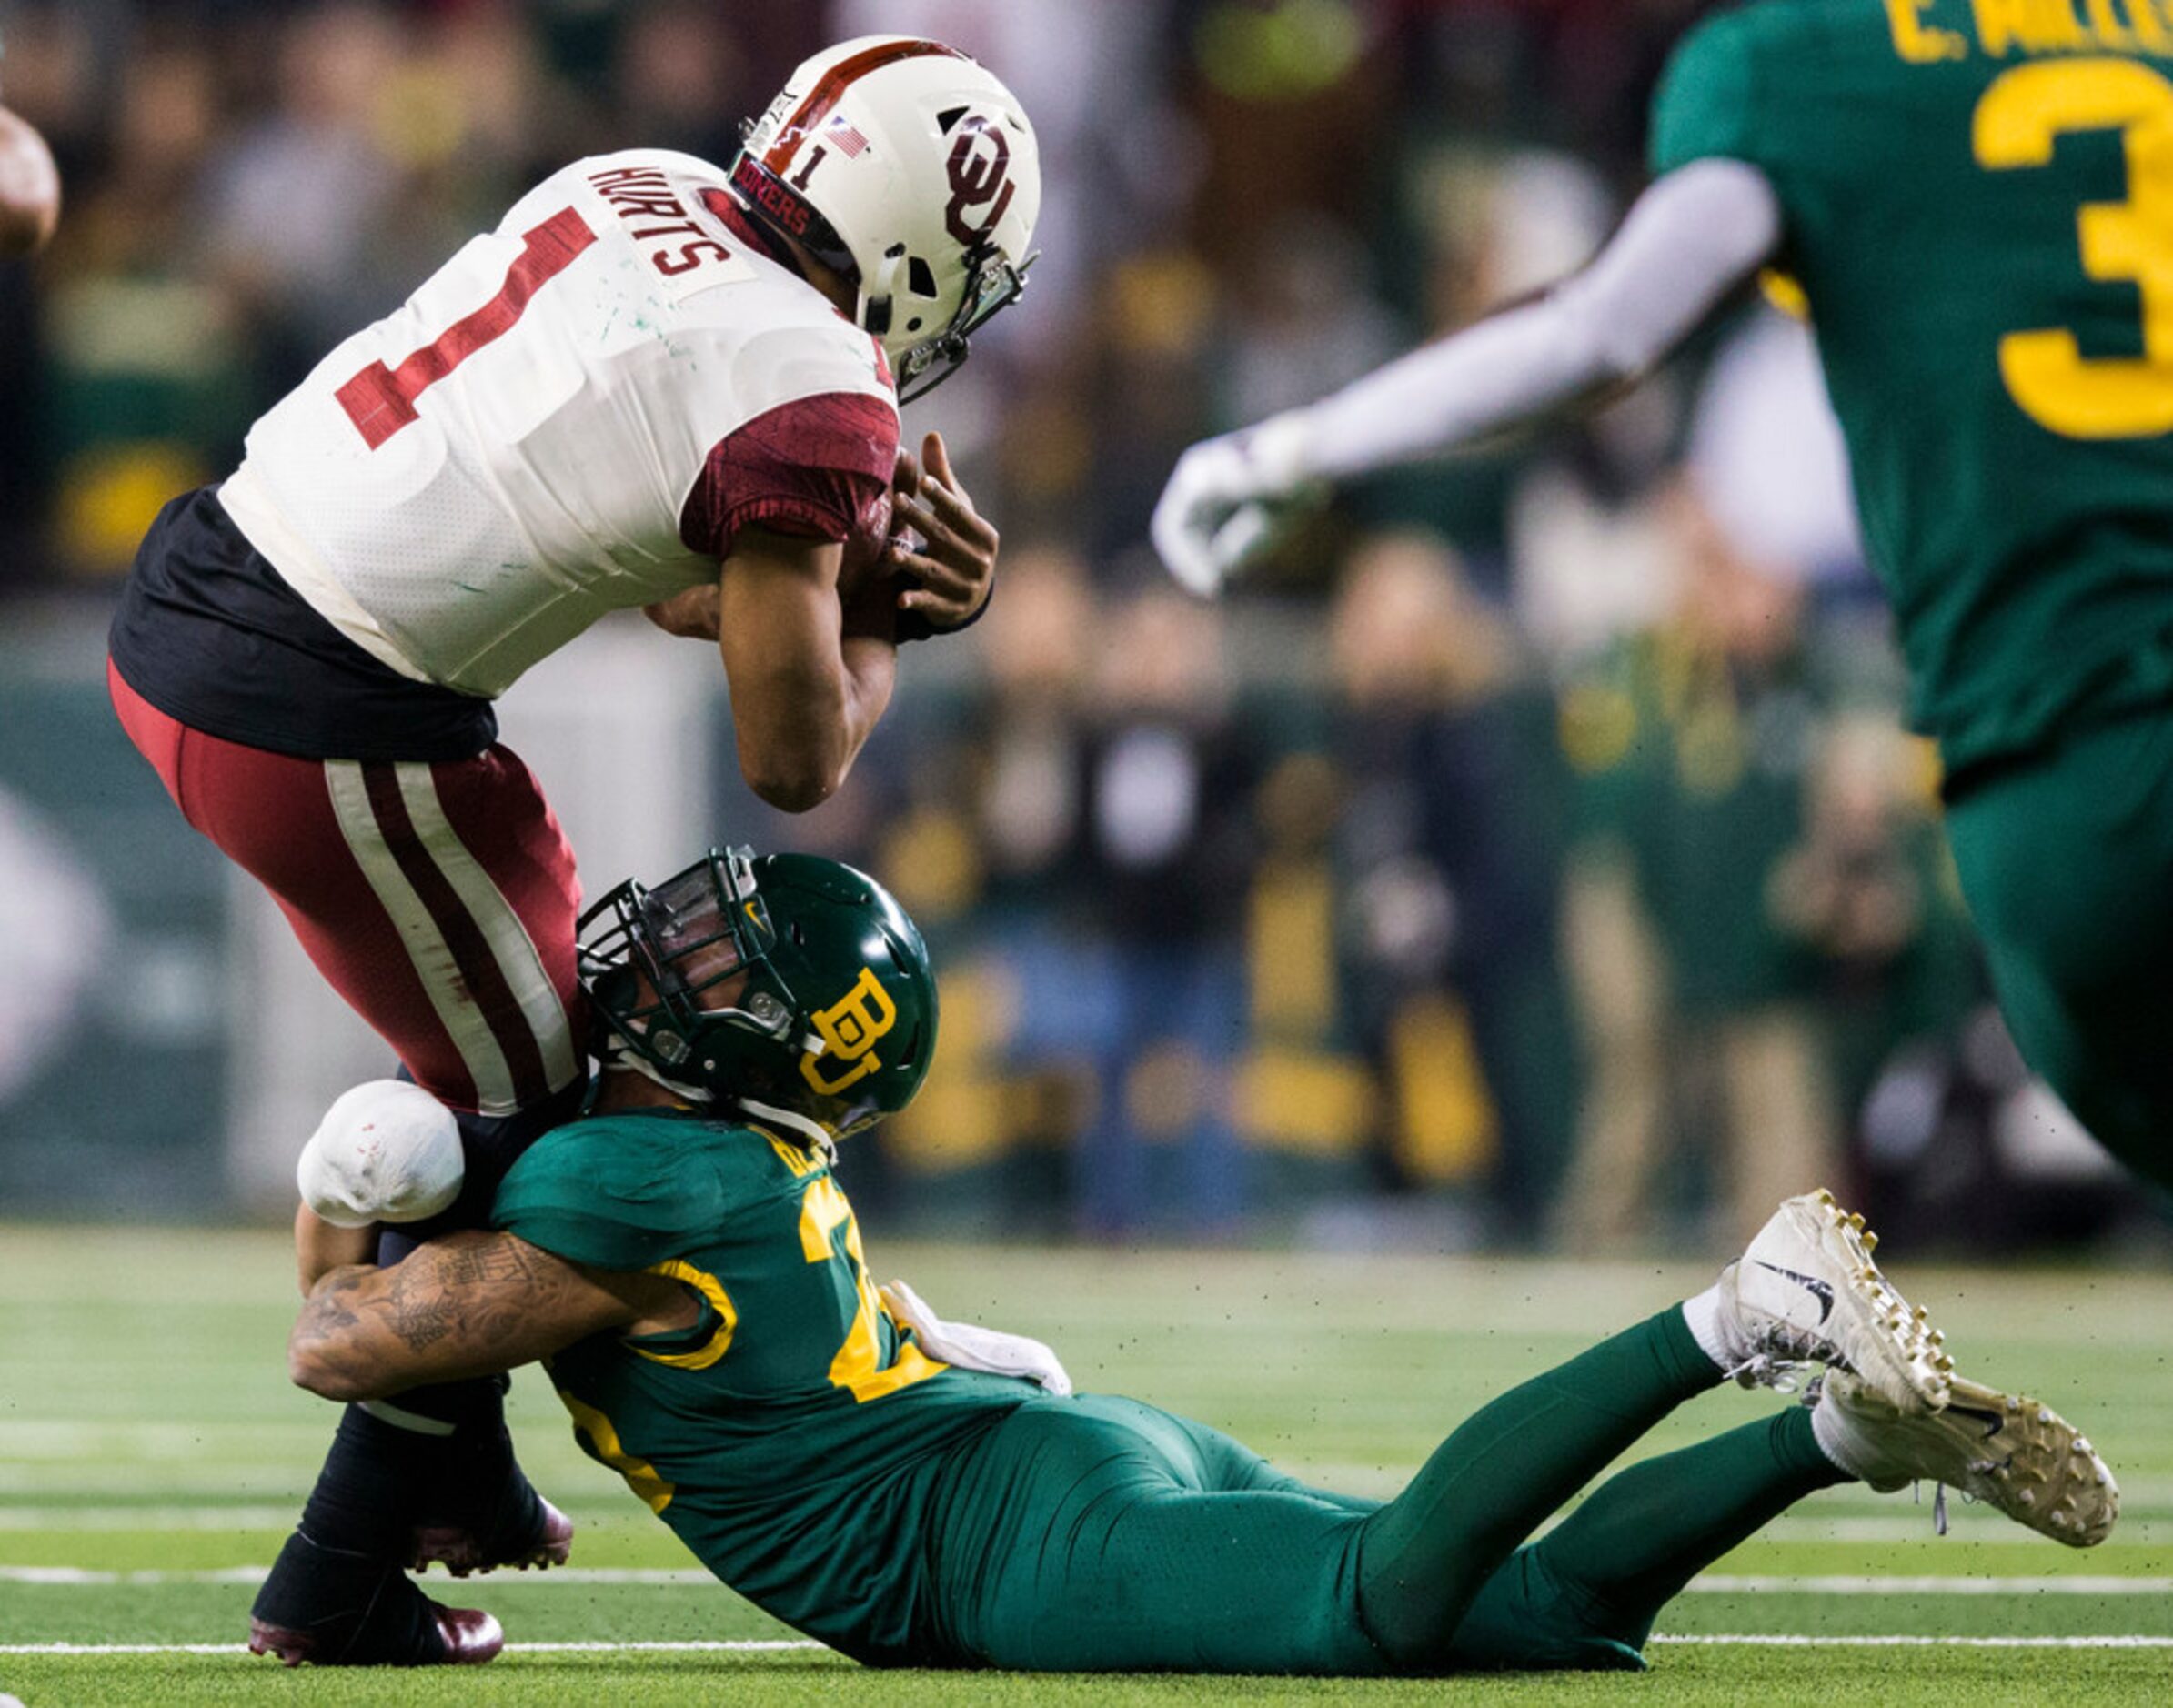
x: 380, y: 400
x: 2020, y: 119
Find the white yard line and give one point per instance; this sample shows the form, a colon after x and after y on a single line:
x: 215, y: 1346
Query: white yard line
x: 1776, y: 1640
x: 1713, y: 1583
x: 742, y: 1645
x: 774, y: 1645
x: 1720, y: 1583
x: 1910, y: 1526
x: 103, y: 1518
x: 85, y: 1577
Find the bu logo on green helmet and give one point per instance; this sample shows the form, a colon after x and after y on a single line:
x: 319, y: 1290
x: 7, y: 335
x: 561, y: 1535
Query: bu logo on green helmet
x: 849, y: 1029
x: 789, y: 990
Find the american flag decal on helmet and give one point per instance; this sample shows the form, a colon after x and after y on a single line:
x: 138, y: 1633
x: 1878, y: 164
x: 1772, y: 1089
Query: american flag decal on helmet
x: 830, y: 88
x: 844, y: 139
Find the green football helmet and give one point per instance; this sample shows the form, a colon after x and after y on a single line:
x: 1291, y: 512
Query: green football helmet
x: 789, y: 988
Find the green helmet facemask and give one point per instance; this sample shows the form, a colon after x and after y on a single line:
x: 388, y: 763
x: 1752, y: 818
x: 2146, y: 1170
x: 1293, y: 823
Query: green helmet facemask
x: 789, y: 988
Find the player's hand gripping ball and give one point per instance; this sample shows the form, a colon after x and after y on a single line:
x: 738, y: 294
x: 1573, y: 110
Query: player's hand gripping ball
x: 29, y: 189
x: 941, y: 549
x: 386, y: 1152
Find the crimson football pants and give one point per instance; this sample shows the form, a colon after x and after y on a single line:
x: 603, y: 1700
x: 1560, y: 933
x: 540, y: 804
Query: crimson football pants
x: 438, y: 899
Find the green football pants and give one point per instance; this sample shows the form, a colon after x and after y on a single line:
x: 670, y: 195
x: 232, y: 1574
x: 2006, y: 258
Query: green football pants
x: 2067, y: 867
x: 1101, y: 1535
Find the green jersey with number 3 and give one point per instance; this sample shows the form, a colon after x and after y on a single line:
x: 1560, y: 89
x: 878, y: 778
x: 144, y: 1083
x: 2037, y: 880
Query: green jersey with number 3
x: 1979, y: 204
x: 795, y: 1438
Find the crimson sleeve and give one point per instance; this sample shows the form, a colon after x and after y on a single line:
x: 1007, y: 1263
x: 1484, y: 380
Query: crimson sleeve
x: 819, y: 467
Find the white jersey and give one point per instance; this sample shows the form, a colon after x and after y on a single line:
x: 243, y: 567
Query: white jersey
x: 466, y: 486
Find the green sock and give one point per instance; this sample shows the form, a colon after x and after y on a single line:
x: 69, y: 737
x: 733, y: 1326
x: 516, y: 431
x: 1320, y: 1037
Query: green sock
x: 1423, y: 1557
x: 1645, y: 1533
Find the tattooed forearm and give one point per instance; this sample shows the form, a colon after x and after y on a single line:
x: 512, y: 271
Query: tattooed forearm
x: 327, y: 1314
x: 472, y: 1265
x: 464, y: 1305
x: 323, y: 1353
x: 418, y: 1312
x: 472, y: 1289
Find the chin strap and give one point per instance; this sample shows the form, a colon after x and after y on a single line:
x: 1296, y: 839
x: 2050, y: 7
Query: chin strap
x: 622, y: 1055
x: 812, y: 1132
x: 878, y: 297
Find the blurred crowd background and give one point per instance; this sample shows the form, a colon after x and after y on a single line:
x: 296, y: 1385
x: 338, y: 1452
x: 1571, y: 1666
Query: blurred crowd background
x: 1534, y: 858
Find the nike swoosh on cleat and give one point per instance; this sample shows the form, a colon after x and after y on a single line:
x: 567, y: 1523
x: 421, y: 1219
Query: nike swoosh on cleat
x: 1821, y: 1290
x: 1992, y: 1420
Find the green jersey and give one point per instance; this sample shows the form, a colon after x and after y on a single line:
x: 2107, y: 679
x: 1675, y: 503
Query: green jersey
x: 795, y: 1438
x: 1979, y: 207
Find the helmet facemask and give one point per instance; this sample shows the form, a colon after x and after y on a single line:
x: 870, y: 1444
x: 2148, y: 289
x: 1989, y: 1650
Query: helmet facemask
x: 992, y: 284
x: 789, y: 988
x: 684, y: 938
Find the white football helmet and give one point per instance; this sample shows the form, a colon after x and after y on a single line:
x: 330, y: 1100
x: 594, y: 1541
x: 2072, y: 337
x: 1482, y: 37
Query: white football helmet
x: 912, y: 171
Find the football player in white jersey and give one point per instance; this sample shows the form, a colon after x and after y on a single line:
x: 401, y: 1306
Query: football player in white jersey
x: 657, y: 384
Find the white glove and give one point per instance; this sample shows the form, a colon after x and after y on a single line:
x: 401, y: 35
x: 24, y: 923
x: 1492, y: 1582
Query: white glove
x: 1223, y: 503
x: 969, y: 1348
x: 386, y: 1152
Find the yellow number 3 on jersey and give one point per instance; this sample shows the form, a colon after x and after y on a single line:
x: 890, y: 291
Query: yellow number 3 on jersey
x: 2021, y: 117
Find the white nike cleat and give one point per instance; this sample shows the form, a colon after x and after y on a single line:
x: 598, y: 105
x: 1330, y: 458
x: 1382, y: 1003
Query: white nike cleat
x: 1806, y: 1292
x: 2005, y: 1450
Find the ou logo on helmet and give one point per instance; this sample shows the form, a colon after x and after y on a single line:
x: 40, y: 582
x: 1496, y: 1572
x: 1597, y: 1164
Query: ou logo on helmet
x: 979, y: 170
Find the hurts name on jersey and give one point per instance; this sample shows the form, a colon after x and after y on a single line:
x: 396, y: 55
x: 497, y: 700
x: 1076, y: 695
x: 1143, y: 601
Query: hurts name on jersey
x: 642, y: 198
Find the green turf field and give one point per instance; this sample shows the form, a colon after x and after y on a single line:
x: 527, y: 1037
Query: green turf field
x: 152, y: 1456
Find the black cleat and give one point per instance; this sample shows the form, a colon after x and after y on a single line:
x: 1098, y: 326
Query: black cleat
x: 333, y: 1607
x: 467, y: 1636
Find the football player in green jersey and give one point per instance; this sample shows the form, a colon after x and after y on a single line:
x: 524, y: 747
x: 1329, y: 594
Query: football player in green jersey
x: 917, y: 1492
x: 1975, y: 199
